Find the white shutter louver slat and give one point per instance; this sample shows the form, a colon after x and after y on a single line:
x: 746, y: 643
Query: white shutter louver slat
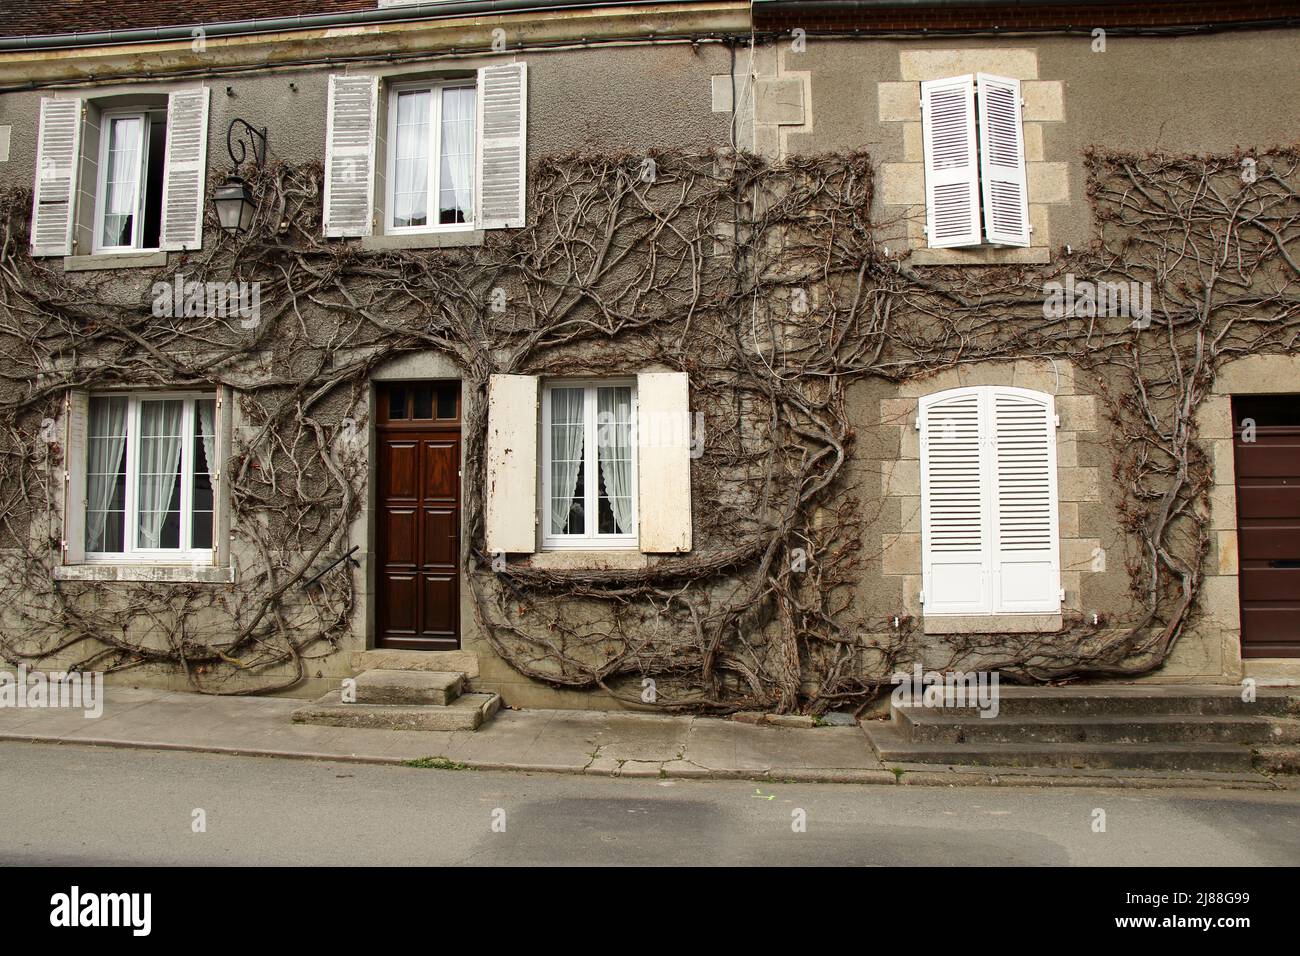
x: 54, y: 194
x: 503, y: 149
x: 350, y: 155
x: 185, y: 168
x: 953, y: 513
x: 951, y: 163
x: 1002, y: 161
x: 1026, y: 564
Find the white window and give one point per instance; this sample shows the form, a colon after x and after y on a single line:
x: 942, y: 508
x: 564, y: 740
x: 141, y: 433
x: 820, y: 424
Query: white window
x: 589, y: 465
x: 974, y: 151
x: 128, y: 200
x: 432, y: 148
x: 989, y: 513
x: 150, y: 461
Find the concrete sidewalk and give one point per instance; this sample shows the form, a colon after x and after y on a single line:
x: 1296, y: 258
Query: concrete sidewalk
x: 579, y: 742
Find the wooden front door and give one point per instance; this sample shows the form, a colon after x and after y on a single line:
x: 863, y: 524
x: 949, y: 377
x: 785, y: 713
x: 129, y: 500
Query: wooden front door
x: 1266, y: 443
x: 417, y: 505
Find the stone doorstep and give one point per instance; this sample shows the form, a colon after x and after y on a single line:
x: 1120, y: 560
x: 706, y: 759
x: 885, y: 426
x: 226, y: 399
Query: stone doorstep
x: 383, y: 686
x: 465, y: 662
x: 1139, y: 700
x: 929, y: 726
x: 468, y: 712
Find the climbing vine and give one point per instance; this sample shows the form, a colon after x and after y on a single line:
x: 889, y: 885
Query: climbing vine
x: 768, y: 284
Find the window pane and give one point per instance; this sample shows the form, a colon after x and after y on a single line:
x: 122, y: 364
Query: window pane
x: 106, y: 475
x: 411, y: 159
x: 456, y: 186
x: 158, y: 470
x: 204, y: 452
x: 396, y: 401
x: 614, y: 452
x: 121, y: 181
x: 568, y: 478
x: 447, y: 395
x: 423, y: 401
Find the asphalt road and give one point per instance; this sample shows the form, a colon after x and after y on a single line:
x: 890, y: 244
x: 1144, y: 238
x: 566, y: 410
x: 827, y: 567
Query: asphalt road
x: 62, y: 804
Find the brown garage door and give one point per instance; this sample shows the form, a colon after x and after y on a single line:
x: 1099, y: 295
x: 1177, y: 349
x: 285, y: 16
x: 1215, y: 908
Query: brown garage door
x: 1268, y: 522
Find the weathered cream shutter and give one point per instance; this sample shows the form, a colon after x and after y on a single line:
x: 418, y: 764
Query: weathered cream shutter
x: 58, y: 149
x: 351, y: 112
x: 76, y: 425
x: 510, y: 491
x: 1026, y: 554
x: 503, y: 146
x: 954, y: 516
x: 185, y: 169
x: 1002, y: 161
x: 952, y: 204
x: 664, y: 461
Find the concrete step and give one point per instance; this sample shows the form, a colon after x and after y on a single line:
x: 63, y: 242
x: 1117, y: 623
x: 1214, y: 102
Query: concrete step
x: 1277, y: 759
x: 463, y: 662
x: 893, y: 747
x: 934, y: 726
x: 1097, y: 700
x: 382, y: 686
x: 467, y: 712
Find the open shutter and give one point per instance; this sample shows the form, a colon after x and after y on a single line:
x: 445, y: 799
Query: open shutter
x: 58, y: 151
x: 1026, y: 557
x: 351, y: 113
x: 952, y: 202
x: 76, y: 437
x: 510, y: 492
x: 185, y: 169
x: 503, y: 146
x: 1002, y: 161
x: 954, y: 517
x: 664, y: 461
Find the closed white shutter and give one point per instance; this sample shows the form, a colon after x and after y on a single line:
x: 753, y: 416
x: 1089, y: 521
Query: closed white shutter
x: 510, y: 491
x: 952, y: 203
x: 351, y: 112
x: 1026, y: 557
x: 1002, y: 161
x: 58, y: 151
x: 185, y: 169
x: 664, y: 461
x: 503, y: 146
x: 954, y: 517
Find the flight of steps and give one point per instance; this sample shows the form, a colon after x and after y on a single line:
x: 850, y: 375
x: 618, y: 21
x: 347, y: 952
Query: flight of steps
x: 1140, y: 727
x: 396, y: 699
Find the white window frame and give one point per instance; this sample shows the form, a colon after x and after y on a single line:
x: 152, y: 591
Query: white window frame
x: 434, y: 179
x: 131, y: 554
x: 592, y: 540
x: 101, y: 186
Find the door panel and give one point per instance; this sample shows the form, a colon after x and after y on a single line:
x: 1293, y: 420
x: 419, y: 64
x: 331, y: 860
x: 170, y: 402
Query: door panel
x: 1268, y: 523
x: 418, y: 525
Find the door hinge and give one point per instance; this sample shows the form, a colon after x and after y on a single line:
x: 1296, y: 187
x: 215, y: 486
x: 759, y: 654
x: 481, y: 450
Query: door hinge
x: 1062, y: 595
x: 921, y: 597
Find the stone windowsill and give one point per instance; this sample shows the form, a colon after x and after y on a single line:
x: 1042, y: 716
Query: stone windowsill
x: 588, y: 560
x: 982, y: 256
x: 992, y: 624
x: 423, y: 240
x: 146, y: 573
x: 115, y: 260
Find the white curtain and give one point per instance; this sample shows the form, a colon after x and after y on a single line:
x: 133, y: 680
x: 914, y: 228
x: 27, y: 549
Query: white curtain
x: 160, y: 455
x: 567, y: 427
x: 458, y: 152
x: 123, y: 181
x: 411, y: 182
x: 207, y: 422
x: 107, y: 444
x: 614, y: 447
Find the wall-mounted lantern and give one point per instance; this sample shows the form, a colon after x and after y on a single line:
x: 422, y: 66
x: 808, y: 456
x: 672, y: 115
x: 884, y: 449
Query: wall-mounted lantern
x: 234, y: 198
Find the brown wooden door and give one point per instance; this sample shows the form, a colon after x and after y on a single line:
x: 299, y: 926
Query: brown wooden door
x: 417, y: 505
x: 1268, y: 523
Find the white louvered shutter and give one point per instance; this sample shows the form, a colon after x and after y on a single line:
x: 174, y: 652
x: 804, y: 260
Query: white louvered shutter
x: 954, y: 517
x: 185, y: 169
x: 58, y: 152
x: 952, y: 203
x: 351, y: 114
x: 1026, y: 555
x: 1002, y: 161
x: 664, y: 462
x: 503, y: 146
x: 510, y: 488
